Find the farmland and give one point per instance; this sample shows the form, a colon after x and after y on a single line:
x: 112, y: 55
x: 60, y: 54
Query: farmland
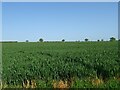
x: 77, y: 64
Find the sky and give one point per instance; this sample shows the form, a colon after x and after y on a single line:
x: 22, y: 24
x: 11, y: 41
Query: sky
x: 0, y: 22
x: 52, y: 21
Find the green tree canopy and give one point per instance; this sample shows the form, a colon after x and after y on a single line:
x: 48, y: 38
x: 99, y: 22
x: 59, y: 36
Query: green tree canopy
x: 27, y: 40
x: 63, y: 40
x: 40, y: 40
x: 112, y: 39
x: 86, y: 39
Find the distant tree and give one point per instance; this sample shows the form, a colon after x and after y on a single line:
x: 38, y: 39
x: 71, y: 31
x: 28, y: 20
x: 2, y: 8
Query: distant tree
x: 86, y: 39
x: 63, y: 40
x: 119, y: 40
x: 98, y: 40
x: 40, y: 40
x: 102, y: 40
x: 112, y: 39
x: 78, y: 40
x: 27, y: 40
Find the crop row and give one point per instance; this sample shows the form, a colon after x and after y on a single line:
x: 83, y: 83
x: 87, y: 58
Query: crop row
x: 47, y: 61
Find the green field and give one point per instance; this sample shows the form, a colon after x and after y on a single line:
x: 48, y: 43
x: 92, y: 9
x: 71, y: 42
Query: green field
x: 81, y: 64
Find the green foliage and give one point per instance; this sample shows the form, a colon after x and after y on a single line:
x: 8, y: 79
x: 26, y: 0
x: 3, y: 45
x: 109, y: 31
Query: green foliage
x: 102, y: 39
x: 112, y: 83
x: 86, y: 39
x: 63, y: 40
x: 40, y: 40
x: 55, y: 61
x: 82, y: 83
x: 27, y: 40
x: 112, y: 39
x: 42, y: 85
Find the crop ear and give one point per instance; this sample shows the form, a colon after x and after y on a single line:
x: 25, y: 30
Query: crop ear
x: 33, y: 84
x: 26, y: 83
x: 54, y: 84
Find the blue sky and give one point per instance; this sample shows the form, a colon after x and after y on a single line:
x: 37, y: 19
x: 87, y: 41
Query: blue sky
x: 0, y: 22
x: 57, y: 21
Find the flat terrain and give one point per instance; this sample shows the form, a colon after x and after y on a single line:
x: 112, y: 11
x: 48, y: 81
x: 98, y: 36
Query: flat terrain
x: 80, y: 64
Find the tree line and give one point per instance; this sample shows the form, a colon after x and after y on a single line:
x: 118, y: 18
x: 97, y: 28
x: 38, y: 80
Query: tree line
x: 86, y: 40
